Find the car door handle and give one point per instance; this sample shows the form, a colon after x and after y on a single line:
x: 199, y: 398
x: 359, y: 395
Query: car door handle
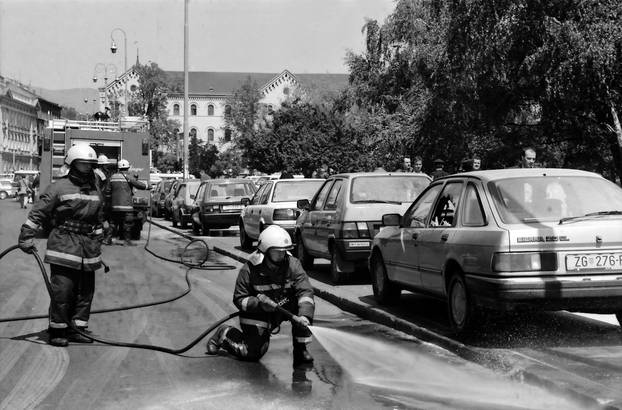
x: 444, y: 237
x: 415, y: 236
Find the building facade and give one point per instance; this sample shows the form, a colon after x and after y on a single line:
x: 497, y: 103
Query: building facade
x: 23, y: 119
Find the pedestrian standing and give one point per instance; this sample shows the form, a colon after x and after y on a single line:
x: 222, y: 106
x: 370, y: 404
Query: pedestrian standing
x: 528, y: 158
x: 271, y: 276
x: 72, y: 206
x: 418, y: 165
x: 23, y: 191
x: 439, y: 170
x: 121, y: 198
x: 406, y: 165
x: 102, y: 178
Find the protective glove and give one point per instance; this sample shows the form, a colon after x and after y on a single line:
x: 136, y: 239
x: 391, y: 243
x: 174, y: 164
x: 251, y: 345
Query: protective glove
x: 27, y: 245
x: 266, y: 303
x: 302, y: 321
x: 105, y: 225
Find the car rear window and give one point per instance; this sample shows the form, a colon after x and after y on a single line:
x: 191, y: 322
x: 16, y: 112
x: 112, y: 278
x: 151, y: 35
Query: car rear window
x: 551, y: 198
x: 288, y: 191
x: 231, y: 189
x: 387, y: 188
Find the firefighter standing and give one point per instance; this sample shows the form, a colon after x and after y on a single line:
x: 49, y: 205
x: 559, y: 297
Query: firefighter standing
x: 270, y: 276
x: 121, y: 200
x: 102, y: 177
x: 73, y: 206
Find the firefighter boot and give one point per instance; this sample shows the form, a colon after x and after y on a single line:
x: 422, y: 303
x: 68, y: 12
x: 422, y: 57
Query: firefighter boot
x: 301, y: 355
x: 76, y: 337
x: 58, y: 337
x: 215, y: 342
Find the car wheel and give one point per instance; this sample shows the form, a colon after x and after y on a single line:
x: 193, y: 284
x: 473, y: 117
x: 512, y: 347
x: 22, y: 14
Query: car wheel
x: 246, y: 242
x: 3, y: 195
x: 205, y: 229
x: 182, y: 223
x: 385, y: 291
x: 305, y: 259
x: 463, y: 314
x: 337, y: 276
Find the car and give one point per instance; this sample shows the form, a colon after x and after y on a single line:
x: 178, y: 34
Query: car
x: 168, y: 199
x: 7, y: 189
x: 506, y: 240
x: 274, y: 204
x: 218, y: 203
x: 183, y: 203
x: 158, y: 195
x: 345, y: 214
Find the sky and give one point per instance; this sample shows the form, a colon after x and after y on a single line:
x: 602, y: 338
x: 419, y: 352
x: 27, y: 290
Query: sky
x: 60, y: 44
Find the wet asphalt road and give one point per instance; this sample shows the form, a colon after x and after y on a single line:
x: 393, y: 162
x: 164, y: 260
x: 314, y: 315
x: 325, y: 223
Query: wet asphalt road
x: 408, y: 373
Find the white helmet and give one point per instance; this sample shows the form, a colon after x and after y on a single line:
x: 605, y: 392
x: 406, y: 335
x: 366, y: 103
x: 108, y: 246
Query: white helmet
x: 102, y: 160
x: 81, y: 152
x: 274, y: 237
x: 123, y: 164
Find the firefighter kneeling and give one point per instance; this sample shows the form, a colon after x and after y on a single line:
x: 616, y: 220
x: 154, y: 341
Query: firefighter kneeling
x: 272, y: 275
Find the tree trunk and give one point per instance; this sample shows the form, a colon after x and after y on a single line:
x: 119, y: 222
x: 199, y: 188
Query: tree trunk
x: 617, y: 128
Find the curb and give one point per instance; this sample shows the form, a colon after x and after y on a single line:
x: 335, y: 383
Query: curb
x: 509, y: 363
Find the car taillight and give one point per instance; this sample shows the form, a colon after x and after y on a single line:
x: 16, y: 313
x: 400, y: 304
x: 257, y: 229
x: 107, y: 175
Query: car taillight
x: 525, y: 261
x: 284, y: 214
x: 355, y: 230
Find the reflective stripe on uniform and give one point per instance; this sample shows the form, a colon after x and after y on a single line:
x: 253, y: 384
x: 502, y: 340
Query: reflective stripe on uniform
x: 80, y: 323
x: 244, y: 302
x: 305, y: 299
x: 73, y: 258
x: 31, y: 224
x: 303, y: 339
x: 55, y: 325
x: 272, y: 286
x: 118, y: 177
x: 254, y: 322
x: 84, y: 197
x: 99, y: 231
x: 122, y: 208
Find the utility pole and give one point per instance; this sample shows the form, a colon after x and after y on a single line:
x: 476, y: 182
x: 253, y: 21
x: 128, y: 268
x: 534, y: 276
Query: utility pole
x: 186, y: 107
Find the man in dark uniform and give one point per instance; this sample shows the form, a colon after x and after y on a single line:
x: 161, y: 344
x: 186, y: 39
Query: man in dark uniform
x: 73, y: 204
x: 438, y: 172
x: 271, y: 276
x: 122, y: 204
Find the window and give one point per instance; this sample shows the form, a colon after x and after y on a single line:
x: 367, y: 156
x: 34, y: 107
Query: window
x: 175, y: 109
x: 227, y: 135
x: 270, y: 109
x: 227, y: 110
x: 200, y: 193
x: 285, y: 90
x: 266, y: 193
x: 257, y: 198
x: 193, y: 132
x: 416, y: 216
x: 133, y: 88
x: 321, y: 197
x: 210, y: 109
x: 473, y: 214
x: 446, y: 206
x: 193, y: 109
x: 331, y: 201
x: 210, y: 135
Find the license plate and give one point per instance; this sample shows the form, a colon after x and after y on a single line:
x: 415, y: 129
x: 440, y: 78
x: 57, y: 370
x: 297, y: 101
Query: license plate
x: 592, y: 261
x: 231, y: 207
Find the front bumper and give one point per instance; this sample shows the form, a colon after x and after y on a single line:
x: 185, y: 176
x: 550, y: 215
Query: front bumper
x: 587, y: 293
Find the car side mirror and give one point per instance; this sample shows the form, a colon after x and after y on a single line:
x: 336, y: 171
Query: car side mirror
x: 246, y: 201
x: 303, y: 204
x: 391, y: 219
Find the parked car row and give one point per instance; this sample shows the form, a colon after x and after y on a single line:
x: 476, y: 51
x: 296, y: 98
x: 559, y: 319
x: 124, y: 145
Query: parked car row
x: 486, y: 240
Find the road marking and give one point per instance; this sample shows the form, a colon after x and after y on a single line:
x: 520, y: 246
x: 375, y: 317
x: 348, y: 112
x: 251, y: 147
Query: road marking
x: 611, y: 319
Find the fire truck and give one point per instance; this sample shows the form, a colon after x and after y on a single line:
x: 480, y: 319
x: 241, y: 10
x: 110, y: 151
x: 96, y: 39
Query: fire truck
x: 126, y: 139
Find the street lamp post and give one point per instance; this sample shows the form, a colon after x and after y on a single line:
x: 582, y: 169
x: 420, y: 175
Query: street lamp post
x: 113, y: 49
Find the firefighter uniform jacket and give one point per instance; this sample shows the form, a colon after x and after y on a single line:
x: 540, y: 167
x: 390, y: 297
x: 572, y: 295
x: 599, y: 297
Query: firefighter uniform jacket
x: 73, y: 208
x: 290, y: 282
x: 121, y: 189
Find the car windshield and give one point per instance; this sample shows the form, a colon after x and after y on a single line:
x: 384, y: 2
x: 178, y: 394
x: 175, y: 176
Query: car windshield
x: 554, y: 198
x: 387, y: 188
x: 289, y: 191
x: 232, y: 189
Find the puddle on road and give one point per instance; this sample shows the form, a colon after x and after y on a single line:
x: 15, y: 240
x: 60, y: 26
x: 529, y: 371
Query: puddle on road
x: 417, y: 380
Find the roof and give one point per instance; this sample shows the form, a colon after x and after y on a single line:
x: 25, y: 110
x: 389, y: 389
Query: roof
x: 221, y: 83
x: 380, y: 174
x: 494, y: 174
